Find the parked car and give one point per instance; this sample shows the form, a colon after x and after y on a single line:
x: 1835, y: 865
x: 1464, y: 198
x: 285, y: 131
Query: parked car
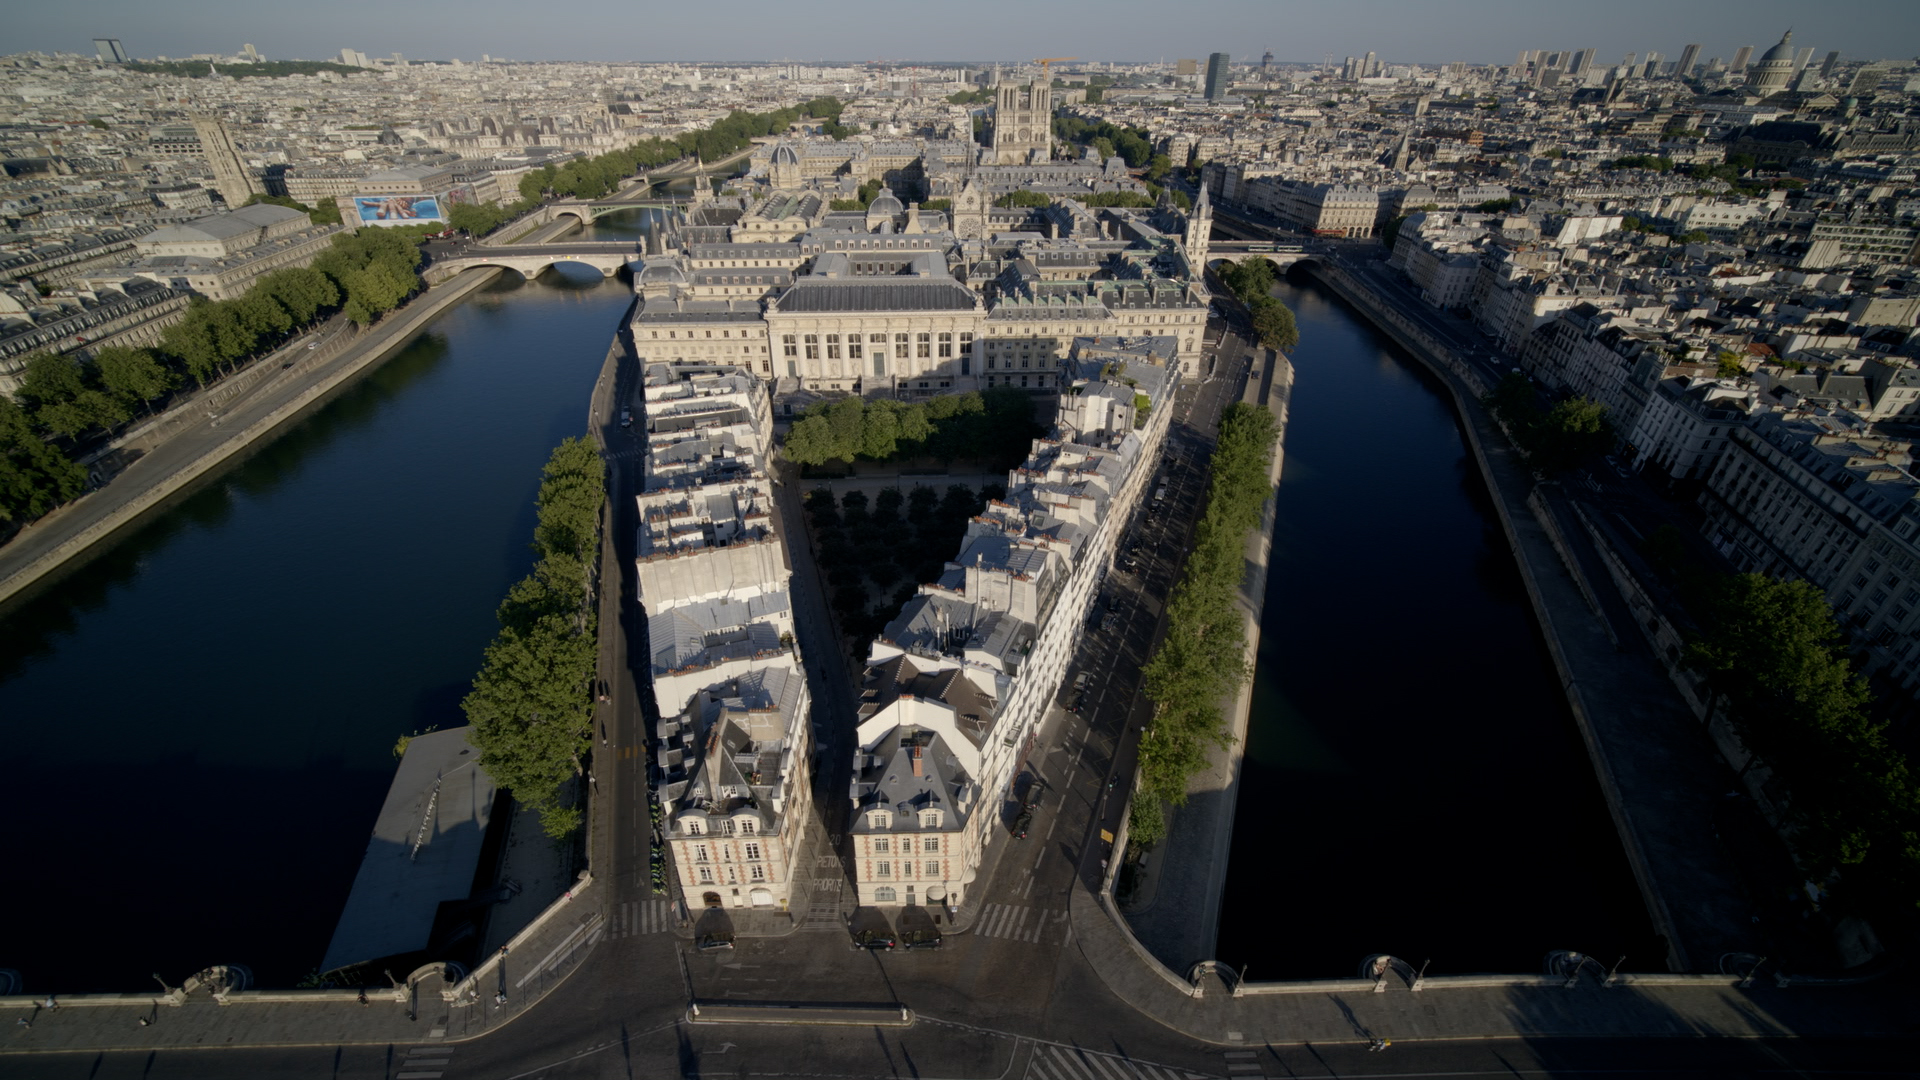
x: 714, y: 942
x: 874, y: 939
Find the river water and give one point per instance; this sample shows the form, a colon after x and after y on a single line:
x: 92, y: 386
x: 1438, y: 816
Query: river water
x: 1414, y: 783
x: 199, y: 723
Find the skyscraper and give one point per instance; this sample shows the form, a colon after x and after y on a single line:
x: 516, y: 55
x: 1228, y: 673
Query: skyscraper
x: 1217, y: 76
x: 1827, y: 66
x: 1802, y: 58
x: 1740, y: 59
x: 108, y: 49
x: 1582, y: 60
x: 1266, y: 61
x: 1372, y: 67
x: 1687, y: 56
x: 231, y: 177
x: 1652, y: 67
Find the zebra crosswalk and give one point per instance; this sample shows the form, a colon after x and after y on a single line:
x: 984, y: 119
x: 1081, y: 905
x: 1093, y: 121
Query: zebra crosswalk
x: 1019, y: 922
x: 636, y: 917
x: 425, y: 1063
x: 1072, y: 1063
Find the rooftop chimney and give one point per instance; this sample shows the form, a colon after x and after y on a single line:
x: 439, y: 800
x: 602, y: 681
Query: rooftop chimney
x: 916, y: 762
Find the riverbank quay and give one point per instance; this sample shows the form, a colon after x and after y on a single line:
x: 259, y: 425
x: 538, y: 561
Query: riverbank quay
x: 200, y: 443
x: 1175, y: 902
x: 1660, y: 779
x: 1214, y: 1007
x: 435, y: 1004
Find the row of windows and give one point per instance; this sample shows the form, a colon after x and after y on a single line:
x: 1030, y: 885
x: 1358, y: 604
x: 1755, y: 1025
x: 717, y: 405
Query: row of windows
x: 747, y: 826
x: 905, y: 346
x: 884, y: 868
x: 755, y: 872
x: 700, y: 853
x: 883, y: 845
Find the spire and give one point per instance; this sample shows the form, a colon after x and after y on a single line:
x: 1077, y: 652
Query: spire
x: 1202, y: 207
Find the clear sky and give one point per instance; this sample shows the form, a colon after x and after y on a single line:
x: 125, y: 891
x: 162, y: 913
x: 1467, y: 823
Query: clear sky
x: 1419, y: 31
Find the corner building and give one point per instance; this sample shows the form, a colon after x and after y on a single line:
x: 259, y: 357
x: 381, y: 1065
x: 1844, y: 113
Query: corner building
x: 958, y: 682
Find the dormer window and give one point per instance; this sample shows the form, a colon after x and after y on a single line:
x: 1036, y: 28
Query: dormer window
x: 748, y: 827
x: 694, y: 828
x: 929, y: 819
x: 880, y: 819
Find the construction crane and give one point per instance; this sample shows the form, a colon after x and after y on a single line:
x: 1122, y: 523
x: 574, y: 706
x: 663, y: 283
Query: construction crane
x: 1046, y: 73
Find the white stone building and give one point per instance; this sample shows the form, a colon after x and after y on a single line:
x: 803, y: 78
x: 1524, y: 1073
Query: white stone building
x: 958, y: 682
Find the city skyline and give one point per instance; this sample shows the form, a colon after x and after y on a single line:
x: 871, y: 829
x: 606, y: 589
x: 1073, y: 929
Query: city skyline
x: 1399, y: 31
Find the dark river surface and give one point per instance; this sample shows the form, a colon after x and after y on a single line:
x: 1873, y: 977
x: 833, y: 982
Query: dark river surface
x: 1414, y: 782
x: 198, y: 724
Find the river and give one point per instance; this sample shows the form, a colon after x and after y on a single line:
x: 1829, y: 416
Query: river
x: 1413, y: 782
x: 199, y: 722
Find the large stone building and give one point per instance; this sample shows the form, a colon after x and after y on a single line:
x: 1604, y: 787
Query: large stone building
x: 899, y: 301
x: 1022, y: 123
x: 1775, y: 68
x: 958, y: 682
x: 231, y: 177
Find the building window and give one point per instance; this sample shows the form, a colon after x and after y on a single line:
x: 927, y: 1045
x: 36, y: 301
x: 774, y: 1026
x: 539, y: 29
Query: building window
x: 883, y: 868
x: 757, y: 872
x: 946, y: 345
x: 900, y: 345
x: 880, y: 845
x: 925, y: 346
x: 706, y: 875
x: 700, y: 853
x: 753, y: 850
x: 931, y: 843
x: 789, y: 346
x: 883, y: 895
x: 693, y: 828
x: 853, y: 346
x: 727, y: 826
x: 813, y: 346
x: 933, y: 870
x: 833, y: 346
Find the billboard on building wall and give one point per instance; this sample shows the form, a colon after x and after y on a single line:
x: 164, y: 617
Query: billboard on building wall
x: 398, y: 209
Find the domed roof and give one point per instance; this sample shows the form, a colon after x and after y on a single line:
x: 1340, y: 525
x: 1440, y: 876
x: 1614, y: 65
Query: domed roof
x: 1782, y: 51
x: 785, y: 155
x: 885, y: 203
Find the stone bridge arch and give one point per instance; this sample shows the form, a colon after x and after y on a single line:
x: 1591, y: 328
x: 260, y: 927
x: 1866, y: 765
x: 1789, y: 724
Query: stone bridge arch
x: 527, y: 266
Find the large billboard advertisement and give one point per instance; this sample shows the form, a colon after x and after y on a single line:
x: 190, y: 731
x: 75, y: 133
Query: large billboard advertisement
x: 398, y: 209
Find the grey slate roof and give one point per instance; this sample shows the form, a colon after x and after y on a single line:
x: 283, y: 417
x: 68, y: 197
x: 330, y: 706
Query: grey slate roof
x: 880, y: 294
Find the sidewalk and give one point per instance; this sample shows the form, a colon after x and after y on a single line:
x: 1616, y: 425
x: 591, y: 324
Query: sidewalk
x: 416, y: 1010
x: 1473, y: 1007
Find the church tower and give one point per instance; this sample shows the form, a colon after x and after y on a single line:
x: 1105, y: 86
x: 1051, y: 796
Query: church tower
x: 970, y: 211
x: 1199, y: 233
x: 1022, y: 123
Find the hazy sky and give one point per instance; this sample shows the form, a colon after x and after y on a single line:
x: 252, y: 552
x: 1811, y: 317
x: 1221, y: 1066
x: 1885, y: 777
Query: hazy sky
x: 1421, y: 31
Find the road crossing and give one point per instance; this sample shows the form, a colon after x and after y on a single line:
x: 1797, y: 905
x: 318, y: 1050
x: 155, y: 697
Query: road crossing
x: 424, y: 1063
x: 1020, y: 922
x: 1050, y: 1062
x: 637, y: 917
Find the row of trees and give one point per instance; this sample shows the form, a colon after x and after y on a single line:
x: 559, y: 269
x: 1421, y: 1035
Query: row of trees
x: 1777, y: 663
x: 63, y: 397
x: 1252, y: 281
x: 995, y: 425
x: 1134, y: 145
x: 590, y: 178
x: 1201, y: 662
x: 531, y: 708
x: 1554, y: 439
